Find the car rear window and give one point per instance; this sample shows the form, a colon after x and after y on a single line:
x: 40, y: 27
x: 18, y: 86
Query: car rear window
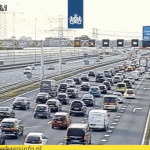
x: 77, y: 104
x: 101, y: 87
x: 59, y: 117
x: 106, y: 72
x: 121, y: 85
x: 4, y: 109
x: 110, y: 99
x: 41, y: 108
x: 51, y: 102
x: 126, y: 81
x: 75, y: 132
x: 70, y: 90
x: 130, y: 92
x: 7, y: 124
x: 94, y: 89
x: 33, y: 138
x: 117, y: 78
x: 69, y: 81
x: 63, y: 85
x: 42, y: 94
x: 19, y: 99
x: 62, y: 96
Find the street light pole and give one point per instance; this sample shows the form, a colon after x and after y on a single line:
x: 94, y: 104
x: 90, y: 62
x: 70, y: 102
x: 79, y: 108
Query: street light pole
x: 42, y: 63
x: 60, y: 67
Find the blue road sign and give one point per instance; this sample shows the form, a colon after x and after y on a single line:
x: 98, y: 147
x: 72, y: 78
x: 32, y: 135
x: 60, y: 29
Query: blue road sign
x: 146, y: 36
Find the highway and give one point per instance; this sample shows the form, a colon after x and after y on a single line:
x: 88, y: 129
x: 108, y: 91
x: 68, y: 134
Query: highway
x: 128, y: 130
x: 13, y: 76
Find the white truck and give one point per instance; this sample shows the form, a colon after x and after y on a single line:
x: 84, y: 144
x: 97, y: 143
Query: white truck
x: 98, y: 119
x: 135, y: 74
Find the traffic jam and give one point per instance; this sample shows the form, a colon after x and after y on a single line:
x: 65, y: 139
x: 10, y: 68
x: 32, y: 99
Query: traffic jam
x: 113, y: 86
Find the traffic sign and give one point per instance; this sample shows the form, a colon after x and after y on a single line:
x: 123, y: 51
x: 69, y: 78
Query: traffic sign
x: 105, y: 43
x: 91, y: 43
x: 134, y: 42
x: 120, y: 42
x: 77, y: 43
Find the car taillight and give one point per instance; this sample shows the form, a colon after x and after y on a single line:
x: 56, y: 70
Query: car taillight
x: 40, y: 142
x: 85, y: 137
x: 73, y: 92
x: 26, y: 141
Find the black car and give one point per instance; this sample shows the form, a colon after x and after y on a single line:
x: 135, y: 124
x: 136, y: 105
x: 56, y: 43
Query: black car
x: 78, y: 134
x: 12, y: 127
x: 62, y: 87
x: 85, y: 55
x: 108, y: 85
x: 88, y: 99
x: 77, y: 80
x: 63, y: 98
x: 50, y: 68
x: 84, y: 77
x: 2, y: 138
x: 91, y: 73
x: 72, y: 92
x: 63, y: 62
x: 103, y: 89
x: 41, y: 110
x: 110, y: 80
x: 100, y: 77
x: 85, y: 86
x: 21, y: 103
x: 42, y: 97
x: 77, y: 107
x: 6, y: 112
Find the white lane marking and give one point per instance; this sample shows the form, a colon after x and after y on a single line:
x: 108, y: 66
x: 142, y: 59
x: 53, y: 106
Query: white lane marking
x: 8, y: 83
x: 140, y: 83
x: 32, y: 127
x: 109, y: 131
x: 146, y: 89
x: 143, y: 139
x: 137, y: 108
x: 49, y: 122
x: 111, y: 127
x: 103, y: 140
x: 3, y: 81
x: 106, y: 135
x: 114, y: 123
x: 13, y: 78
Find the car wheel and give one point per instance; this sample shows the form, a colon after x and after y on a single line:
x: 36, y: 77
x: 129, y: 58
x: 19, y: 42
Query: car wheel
x: 3, y: 142
x: 52, y: 127
x: 22, y: 132
x: 13, y: 107
x: 35, y: 116
x: 90, y: 140
x: 70, y: 114
x: 26, y: 107
x: 17, y: 135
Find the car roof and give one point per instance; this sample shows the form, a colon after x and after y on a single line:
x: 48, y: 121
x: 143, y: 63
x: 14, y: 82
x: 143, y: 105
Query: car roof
x: 61, y: 113
x: 4, y: 107
x: 35, y: 133
x: 62, y: 94
x: 9, y: 120
x: 117, y: 76
x: 98, y: 110
x: 77, y: 101
x: 117, y: 93
x: 94, y: 86
x: 130, y: 89
x: 78, y: 125
x: 42, y: 105
x: 85, y: 82
x: 72, y: 89
x: 53, y: 100
x: 110, y: 96
x: 102, y: 85
x: 21, y: 97
x: 42, y: 93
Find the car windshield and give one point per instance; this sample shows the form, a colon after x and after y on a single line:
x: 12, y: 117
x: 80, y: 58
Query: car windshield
x: 126, y: 81
x: 40, y: 108
x: 117, y: 78
x: 110, y: 99
x: 27, y: 69
x: 130, y: 78
x: 33, y: 138
x: 94, y: 89
x: 106, y: 72
x: 87, y: 96
x: 63, y: 85
x: 101, y: 87
x: 70, y: 90
x: 119, y: 74
x: 130, y: 92
x: 121, y: 85
x: 19, y: 99
x: 7, y: 124
x: 91, y: 72
x: 69, y: 81
x: 61, y: 96
x: 4, y: 109
x: 75, y: 132
x: 51, y: 102
x: 76, y: 79
x: 59, y: 117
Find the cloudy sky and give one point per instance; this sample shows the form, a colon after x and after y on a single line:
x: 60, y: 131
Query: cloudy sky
x: 113, y: 18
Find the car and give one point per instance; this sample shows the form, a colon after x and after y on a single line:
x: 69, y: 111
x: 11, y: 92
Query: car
x: 129, y: 93
x: 112, y: 71
x: 54, y: 104
x: 2, y: 138
x: 72, y: 92
x: 27, y: 70
x: 62, y: 87
x: 85, y: 55
x: 122, y: 73
x: 103, y: 88
x: 117, y: 79
x: 70, y: 82
x: 50, y: 67
x: 78, y: 133
x: 107, y: 73
x: 88, y: 99
x: 101, y: 57
x: 132, y: 79
x: 77, y: 80
x: 42, y: 97
x: 116, y: 69
x: 12, y: 127
x: 147, y: 75
x: 63, y: 98
x: 120, y: 97
x: 84, y: 77
x: 121, y: 87
x: 129, y: 68
x: 6, y: 112
x: 110, y: 80
x: 21, y: 103
x: 108, y: 85
x: 91, y: 73
x: 100, y: 77
x: 61, y: 120
x: 35, y: 138
x: 85, y: 86
x: 77, y: 107
x: 95, y: 91
x: 32, y: 66
x: 128, y: 83
x: 110, y: 102
x: 41, y: 110
x: 63, y: 62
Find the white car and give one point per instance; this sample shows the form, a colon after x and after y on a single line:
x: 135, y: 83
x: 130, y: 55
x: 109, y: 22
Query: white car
x: 35, y: 138
x: 70, y: 82
x: 27, y: 70
x: 32, y: 66
x: 120, y: 97
x: 129, y: 93
x: 147, y: 75
x: 132, y: 79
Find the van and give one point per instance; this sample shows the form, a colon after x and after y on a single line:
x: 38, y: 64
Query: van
x: 135, y: 74
x: 121, y: 87
x: 110, y: 102
x: 107, y: 73
x: 98, y: 119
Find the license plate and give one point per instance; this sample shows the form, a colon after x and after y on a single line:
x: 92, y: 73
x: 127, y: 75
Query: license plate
x: 17, y: 106
x: 76, y: 108
x: 75, y: 141
x: 59, y: 121
x: 40, y: 115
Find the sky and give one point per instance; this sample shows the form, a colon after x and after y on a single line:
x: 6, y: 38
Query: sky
x: 108, y: 16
